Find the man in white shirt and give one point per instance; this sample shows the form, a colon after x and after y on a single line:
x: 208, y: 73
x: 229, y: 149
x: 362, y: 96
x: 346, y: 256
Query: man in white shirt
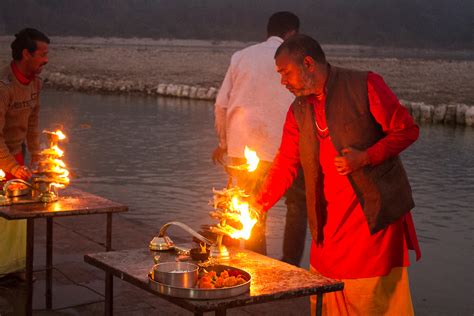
x: 250, y: 110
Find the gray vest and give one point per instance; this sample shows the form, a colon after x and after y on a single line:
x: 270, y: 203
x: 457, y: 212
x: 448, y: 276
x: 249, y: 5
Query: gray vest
x: 383, y: 190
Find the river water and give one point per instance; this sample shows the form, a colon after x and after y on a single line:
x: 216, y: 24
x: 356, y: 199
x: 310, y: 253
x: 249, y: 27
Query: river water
x: 154, y: 156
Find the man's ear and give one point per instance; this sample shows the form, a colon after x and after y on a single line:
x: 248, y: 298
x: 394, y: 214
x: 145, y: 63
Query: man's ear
x: 26, y: 54
x: 309, y: 63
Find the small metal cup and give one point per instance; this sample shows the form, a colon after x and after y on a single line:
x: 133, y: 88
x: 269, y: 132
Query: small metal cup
x: 176, y: 274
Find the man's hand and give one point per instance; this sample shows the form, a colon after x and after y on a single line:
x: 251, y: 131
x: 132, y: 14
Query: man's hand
x: 22, y: 173
x: 256, y: 210
x: 350, y: 161
x: 218, y: 155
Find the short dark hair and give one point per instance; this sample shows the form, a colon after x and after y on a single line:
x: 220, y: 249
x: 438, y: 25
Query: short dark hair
x: 281, y: 23
x: 299, y: 46
x: 26, y: 39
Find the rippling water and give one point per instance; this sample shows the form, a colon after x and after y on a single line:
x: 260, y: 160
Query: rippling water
x: 154, y: 155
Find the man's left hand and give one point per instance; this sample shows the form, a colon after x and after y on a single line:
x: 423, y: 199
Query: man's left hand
x: 22, y: 173
x: 350, y: 161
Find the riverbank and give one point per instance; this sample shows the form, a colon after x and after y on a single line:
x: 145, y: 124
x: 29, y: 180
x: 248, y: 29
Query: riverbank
x: 423, y: 79
x: 153, y: 154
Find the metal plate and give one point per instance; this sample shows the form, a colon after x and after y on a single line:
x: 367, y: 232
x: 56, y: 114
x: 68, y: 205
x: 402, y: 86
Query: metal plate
x: 16, y: 187
x: 203, y: 294
x: 18, y: 192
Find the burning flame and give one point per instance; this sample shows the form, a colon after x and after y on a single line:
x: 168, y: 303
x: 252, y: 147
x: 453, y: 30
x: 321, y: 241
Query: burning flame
x: 229, y: 204
x: 59, y: 162
x: 57, y: 185
x: 58, y: 150
x: 51, y: 165
x: 242, y: 208
x: 60, y: 134
x: 252, y: 159
x: 2, y: 174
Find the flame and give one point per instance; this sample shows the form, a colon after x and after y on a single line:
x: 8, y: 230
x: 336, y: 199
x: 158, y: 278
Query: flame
x: 51, y: 166
x: 60, y: 134
x: 2, y: 174
x: 252, y: 159
x: 242, y: 208
x: 58, y: 150
x: 59, y: 162
x: 58, y: 185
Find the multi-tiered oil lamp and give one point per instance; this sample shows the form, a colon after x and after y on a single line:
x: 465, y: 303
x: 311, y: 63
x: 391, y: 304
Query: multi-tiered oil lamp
x: 51, y: 173
x: 231, y: 209
x: 236, y: 218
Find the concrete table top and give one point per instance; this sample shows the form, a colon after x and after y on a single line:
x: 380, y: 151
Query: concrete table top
x: 71, y: 202
x: 271, y: 279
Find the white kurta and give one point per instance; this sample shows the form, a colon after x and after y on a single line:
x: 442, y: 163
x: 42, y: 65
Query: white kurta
x: 251, y: 105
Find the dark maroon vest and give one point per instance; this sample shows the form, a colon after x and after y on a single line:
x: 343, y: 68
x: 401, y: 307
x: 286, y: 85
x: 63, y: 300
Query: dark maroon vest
x: 383, y: 190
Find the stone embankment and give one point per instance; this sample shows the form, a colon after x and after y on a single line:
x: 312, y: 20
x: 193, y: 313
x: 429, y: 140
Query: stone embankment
x: 460, y: 114
x: 71, y: 82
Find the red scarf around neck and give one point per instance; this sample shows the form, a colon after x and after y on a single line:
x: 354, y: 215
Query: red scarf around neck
x: 23, y: 79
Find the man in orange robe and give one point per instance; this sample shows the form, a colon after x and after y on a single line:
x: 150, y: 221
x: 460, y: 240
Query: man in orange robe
x: 346, y: 129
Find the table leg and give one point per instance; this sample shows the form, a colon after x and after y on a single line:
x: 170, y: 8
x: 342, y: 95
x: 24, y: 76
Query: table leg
x: 109, y: 294
x: 319, y: 304
x: 108, y: 240
x: 49, y: 262
x: 221, y: 312
x: 30, y: 243
x: 109, y: 281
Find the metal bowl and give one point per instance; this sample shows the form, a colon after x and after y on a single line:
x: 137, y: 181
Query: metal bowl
x: 176, y: 274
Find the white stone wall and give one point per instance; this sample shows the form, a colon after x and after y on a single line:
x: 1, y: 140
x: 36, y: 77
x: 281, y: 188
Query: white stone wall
x: 461, y: 114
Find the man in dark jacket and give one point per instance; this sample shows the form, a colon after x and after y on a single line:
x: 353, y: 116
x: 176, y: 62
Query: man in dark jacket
x: 346, y: 129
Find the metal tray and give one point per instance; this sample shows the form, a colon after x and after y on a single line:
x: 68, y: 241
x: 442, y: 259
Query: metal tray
x: 203, y: 294
x: 18, y: 192
x: 9, y: 189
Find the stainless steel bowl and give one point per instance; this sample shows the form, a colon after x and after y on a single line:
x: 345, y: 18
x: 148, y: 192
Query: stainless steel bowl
x: 177, y: 274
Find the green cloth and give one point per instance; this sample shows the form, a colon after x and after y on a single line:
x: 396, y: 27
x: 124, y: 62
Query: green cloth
x: 12, y: 245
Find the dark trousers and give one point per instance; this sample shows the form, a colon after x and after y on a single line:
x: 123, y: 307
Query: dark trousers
x: 296, y: 221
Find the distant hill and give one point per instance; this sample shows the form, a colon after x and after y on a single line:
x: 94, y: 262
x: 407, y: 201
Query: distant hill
x: 420, y: 23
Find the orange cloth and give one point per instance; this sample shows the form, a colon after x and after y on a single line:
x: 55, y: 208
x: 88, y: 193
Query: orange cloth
x: 386, y: 295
